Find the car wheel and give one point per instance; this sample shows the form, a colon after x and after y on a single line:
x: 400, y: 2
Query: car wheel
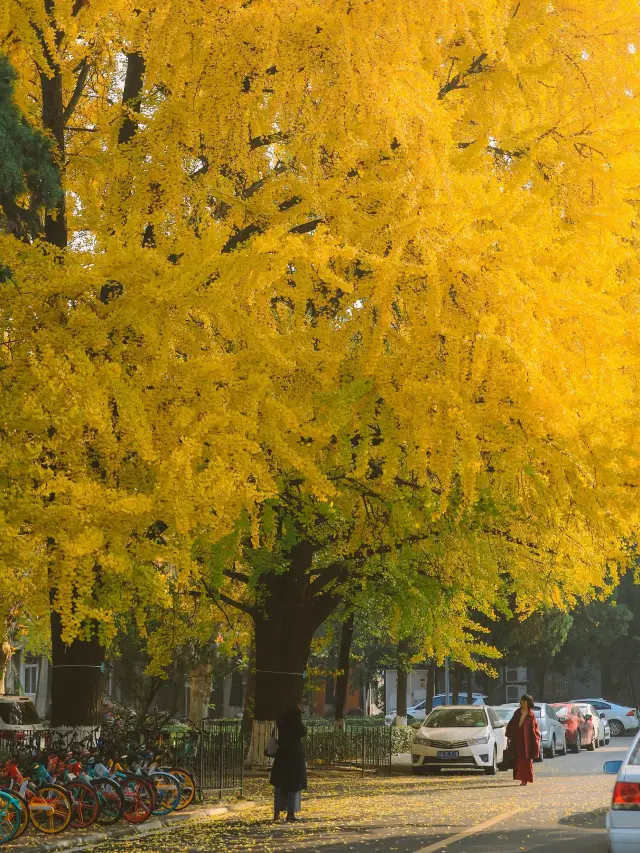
x: 563, y: 751
x: 491, y: 771
x: 616, y: 728
x: 552, y: 748
x: 591, y: 746
x: 607, y: 741
x: 577, y: 746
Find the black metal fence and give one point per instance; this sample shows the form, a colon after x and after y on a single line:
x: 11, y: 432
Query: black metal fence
x: 220, y: 765
x: 360, y: 747
x: 215, y: 753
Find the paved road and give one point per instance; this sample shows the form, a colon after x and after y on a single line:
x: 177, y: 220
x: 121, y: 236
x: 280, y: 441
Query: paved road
x: 563, y: 810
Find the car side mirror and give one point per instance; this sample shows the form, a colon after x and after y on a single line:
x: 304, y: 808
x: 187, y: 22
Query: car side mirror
x: 499, y: 725
x: 612, y: 767
x: 602, y: 716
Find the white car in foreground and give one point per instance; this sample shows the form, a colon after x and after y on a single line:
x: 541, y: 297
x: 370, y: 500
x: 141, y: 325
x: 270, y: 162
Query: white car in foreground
x: 459, y: 736
x: 623, y: 817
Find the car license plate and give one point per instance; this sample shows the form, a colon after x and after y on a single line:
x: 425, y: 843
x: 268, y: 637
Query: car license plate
x: 447, y: 753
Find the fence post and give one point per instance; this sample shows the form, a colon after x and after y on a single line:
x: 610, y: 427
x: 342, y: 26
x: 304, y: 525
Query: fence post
x: 201, y: 761
x: 363, y: 745
x: 240, y: 749
x: 221, y: 761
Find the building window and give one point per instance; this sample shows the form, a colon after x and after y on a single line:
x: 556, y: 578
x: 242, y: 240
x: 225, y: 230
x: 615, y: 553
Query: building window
x: 30, y: 675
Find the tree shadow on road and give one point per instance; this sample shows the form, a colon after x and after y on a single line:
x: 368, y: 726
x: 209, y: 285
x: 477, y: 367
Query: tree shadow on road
x: 586, y: 820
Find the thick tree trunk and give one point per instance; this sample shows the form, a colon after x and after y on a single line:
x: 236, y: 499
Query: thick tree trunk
x: 291, y: 607
x: 344, y: 665
x: 431, y: 685
x: 250, y: 692
x: 76, y: 683
x: 285, y: 621
x: 200, y: 683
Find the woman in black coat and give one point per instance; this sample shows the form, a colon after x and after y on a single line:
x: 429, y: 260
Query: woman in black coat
x: 289, y: 771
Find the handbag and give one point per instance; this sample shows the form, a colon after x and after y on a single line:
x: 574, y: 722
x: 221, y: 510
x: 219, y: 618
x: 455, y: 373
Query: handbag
x: 271, y: 748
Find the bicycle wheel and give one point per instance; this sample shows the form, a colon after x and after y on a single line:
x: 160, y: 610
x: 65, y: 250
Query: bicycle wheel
x: 187, y: 786
x: 139, y: 798
x: 111, y: 800
x: 10, y: 817
x: 86, y: 805
x: 50, y: 809
x: 167, y: 792
x: 24, y: 813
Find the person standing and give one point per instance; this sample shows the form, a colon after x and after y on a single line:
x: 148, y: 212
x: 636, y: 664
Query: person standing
x: 289, y: 771
x: 524, y: 740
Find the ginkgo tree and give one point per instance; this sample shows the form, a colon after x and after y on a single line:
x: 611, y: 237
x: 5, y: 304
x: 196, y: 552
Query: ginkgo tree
x: 378, y: 258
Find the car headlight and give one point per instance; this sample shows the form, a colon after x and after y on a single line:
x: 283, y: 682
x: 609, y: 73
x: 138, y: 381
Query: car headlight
x: 422, y: 740
x: 478, y: 740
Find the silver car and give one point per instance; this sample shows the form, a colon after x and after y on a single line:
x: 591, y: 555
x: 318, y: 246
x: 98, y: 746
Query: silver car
x: 552, y: 733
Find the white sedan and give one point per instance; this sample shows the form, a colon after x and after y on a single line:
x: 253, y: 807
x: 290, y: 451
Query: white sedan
x: 459, y: 736
x: 622, y: 719
x: 623, y: 817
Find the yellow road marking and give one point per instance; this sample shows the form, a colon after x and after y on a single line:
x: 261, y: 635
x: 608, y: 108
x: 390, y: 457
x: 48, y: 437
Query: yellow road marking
x: 471, y: 830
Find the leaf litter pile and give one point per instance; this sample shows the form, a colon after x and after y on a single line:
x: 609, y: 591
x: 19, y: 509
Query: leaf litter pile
x: 394, y: 813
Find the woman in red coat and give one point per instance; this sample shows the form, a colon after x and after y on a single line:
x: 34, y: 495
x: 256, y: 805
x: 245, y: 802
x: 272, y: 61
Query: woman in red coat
x: 524, y: 740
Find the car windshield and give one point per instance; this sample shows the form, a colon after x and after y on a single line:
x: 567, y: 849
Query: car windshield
x: 562, y: 710
x: 18, y: 713
x: 505, y: 713
x: 456, y: 718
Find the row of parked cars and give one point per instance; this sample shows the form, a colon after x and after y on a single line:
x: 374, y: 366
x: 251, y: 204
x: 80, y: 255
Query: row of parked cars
x: 474, y: 735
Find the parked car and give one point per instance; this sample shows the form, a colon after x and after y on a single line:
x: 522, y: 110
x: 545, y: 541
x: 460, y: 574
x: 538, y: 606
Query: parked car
x: 622, y: 719
x: 603, y: 731
x: 459, y: 736
x: 552, y: 732
x: 623, y: 817
x: 18, y: 713
x: 580, y: 729
x: 419, y: 711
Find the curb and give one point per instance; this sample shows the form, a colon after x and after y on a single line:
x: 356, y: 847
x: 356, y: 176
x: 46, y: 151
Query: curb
x: 149, y: 827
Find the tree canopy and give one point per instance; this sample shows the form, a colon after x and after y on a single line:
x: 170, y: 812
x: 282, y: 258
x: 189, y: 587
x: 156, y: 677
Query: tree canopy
x: 377, y: 260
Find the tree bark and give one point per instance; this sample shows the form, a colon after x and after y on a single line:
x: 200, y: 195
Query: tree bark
x: 6, y: 653
x: 344, y: 665
x: 285, y: 620
x: 431, y: 685
x: 250, y: 692
x: 55, y: 226
x: 455, y: 684
x: 401, y: 697
x: 76, y: 683
x: 131, y: 96
x: 200, y: 682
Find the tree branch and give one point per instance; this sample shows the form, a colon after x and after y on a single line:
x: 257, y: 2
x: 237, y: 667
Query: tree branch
x: 236, y: 576
x: 83, y: 73
x: 457, y: 82
x: 239, y: 605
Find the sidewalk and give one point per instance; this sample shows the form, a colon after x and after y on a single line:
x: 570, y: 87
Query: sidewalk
x: 36, y: 842
x: 323, y: 785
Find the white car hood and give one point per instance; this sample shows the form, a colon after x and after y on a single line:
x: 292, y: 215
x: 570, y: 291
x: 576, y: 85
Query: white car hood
x: 454, y: 734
